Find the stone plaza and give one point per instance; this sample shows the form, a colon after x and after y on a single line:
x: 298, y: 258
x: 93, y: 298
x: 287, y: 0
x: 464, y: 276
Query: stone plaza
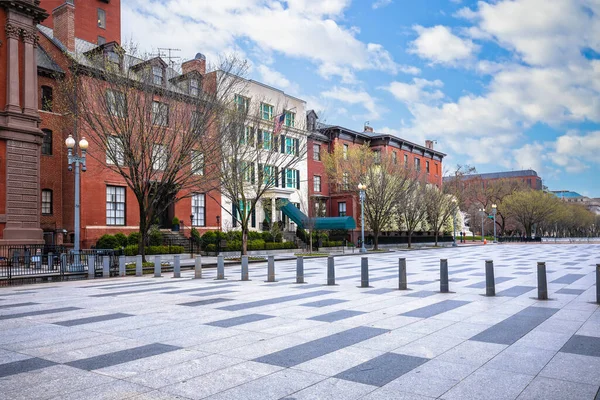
x: 166, y: 338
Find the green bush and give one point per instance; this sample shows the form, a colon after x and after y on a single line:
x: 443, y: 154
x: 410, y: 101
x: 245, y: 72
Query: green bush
x: 209, y: 237
x: 121, y: 239
x: 233, y: 236
x: 134, y: 238
x: 154, y: 250
x: 234, y: 245
x: 211, y: 248
x: 131, y: 250
x: 279, y: 246
x: 107, y: 242
x: 155, y: 237
x: 195, y: 235
x: 175, y: 221
x: 257, y: 244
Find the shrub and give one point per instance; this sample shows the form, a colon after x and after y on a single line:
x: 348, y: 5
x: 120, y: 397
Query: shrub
x: 107, y: 242
x: 267, y: 236
x: 258, y: 244
x: 211, y: 248
x: 209, y: 237
x: 175, y: 221
x: 134, y: 238
x: 195, y: 235
x: 131, y: 250
x: 154, y: 250
x: 121, y: 239
x: 234, y: 245
x: 155, y: 237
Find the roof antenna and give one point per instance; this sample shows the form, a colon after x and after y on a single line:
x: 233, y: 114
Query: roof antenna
x: 169, y: 56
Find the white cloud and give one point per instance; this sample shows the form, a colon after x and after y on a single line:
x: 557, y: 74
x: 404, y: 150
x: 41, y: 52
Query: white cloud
x: 305, y: 29
x: 421, y: 90
x: 439, y: 45
x: 576, y: 152
x: 381, y: 3
x: 356, y: 97
x: 273, y: 78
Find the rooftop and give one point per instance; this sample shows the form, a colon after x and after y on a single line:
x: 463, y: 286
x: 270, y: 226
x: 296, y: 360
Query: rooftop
x: 497, y: 175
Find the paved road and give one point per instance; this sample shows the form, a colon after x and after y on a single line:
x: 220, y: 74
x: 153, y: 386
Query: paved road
x: 165, y: 338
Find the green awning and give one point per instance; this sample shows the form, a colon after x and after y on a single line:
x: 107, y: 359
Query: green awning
x: 320, y: 224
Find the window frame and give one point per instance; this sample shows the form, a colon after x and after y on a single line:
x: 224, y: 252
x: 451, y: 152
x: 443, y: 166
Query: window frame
x: 101, y: 18
x: 159, y: 151
x: 267, y: 140
x: 155, y: 76
x: 345, y: 151
x: 47, y: 91
x: 345, y: 181
x: 316, y: 147
x: 197, y: 162
x: 317, y: 183
x: 160, y: 113
x: 289, y: 119
x: 266, y: 109
x: 194, y: 86
x: 45, y: 203
x: 340, y: 212
x: 427, y: 166
x: 199, y: 209
x: 116, y: 217
x: 290, y: 183
x: 47, y: 142
x: 113, y: 98
x: 242, y: 103
x: 112, y: 142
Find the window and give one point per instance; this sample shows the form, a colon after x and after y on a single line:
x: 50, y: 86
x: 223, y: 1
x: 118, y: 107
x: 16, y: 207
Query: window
x: 377, y: 156
x: 199, y: 209
x: 247, y: 169
x: 248, y: 136
x: 197, y: 162
x: 194, y: 87
x: 159, y: 157
x: 345, y: 152
x: 115, y: 154
x: 320, y: 209
x: 101, y: 40
x: 160, y: 113
x: 46, y: 202
x: 342, y: 209
x: 291, y: 178
x: 242, y: 103
x: 437, y: 169
x: 157, y: 75
x: 417, y: 164
x: 47, y: 142
x: 346, y: 181
x: 269, y: 176
x: 267, y: 139
x: 427, y: 166
x: 101, y: 18
x: 115, y: 205
x: 115, y: 102
x: 291, y: 146
x: 266, y: 111
x: 316, y: 152
x: 395, y: 158
x: 46, y: 98
x: 290, y: 118
x: 317, y: 183
x: 114, y: 60
x: 406, y: 161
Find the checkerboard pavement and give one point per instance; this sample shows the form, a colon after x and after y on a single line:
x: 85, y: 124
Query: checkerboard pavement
x: 166, y: 338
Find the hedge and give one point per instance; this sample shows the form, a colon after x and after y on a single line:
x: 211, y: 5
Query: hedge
x: 132, y: 250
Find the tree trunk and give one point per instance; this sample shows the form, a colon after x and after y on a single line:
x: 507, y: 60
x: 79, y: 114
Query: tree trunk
x: 436, y: 238
x: 143, y: 234
x: 244, y: 241
x: 376, y: 240
x: 409, y: 239
x: 311, y: 241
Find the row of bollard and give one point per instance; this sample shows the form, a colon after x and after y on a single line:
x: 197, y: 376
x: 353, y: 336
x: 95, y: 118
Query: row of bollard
x: 490, y: 285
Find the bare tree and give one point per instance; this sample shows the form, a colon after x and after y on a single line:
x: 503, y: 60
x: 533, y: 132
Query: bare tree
x: 412, y: 212
x: 153, y: 127
x: 258, y: 156
x: 440, y: 208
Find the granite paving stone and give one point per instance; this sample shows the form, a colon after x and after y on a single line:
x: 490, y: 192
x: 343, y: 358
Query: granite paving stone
x: 489, y: 384
x: 435, y: 309
x: 381, y: 370
x: 235, y: 321
x: 542, y: 388
x: 120, y: 357
x: 90, y: 320
x: 336, y: 315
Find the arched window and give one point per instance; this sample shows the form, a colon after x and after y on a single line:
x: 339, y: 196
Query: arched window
x: 46, y: 98
x: 47, y: 142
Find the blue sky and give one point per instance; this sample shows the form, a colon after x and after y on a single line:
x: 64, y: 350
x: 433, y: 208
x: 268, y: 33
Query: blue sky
x: 499, y: 84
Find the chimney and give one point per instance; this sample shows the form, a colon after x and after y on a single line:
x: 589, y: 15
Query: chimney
x: 429, y: 144
x: 198, y: 64
x: 64, y: 24
x: 368, y: 129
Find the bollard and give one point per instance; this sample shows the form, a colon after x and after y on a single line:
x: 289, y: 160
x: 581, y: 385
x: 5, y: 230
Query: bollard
x: 157, y: 267
x: 245, y: 268
x: 542, y: 282
x: 271, y: 269
x: 122, y: 266
x: 198, y: 268
x: 139, y: 271
x: 220, y: 268
x: 300, y: 269
x: 490, y: 282
x: 91, y: 267
x: 177, y: 266
x: 63, y: 262
x: 598, y: 283
x: 402, y: 283
x: 106, y: 267
x: 330, y: 271
x: 444, y: 287
x: 50, y: 261
x: 364, y: 272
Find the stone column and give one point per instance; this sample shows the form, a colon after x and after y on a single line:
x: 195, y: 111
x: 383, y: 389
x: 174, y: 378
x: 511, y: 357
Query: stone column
x: 12, y: 82
x: 30, y: 105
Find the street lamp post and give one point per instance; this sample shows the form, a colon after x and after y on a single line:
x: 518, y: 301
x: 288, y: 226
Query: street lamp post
x: 219, y: 238
x: 483, y: 214
x: 494, y: 211
x: 191, y: 230
x: 74, y: 158
x: 454, y: 223
x: 361, y: 194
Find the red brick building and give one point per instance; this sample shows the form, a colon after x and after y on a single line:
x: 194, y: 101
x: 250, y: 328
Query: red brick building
x: 20, y: 136
x: 324, y: 196
x: 107, y: 204
x: 528, y: 178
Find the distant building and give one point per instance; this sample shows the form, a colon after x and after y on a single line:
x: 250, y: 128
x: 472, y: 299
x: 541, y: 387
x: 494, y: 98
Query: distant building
x: 592, y: 204
x: 528, y: 177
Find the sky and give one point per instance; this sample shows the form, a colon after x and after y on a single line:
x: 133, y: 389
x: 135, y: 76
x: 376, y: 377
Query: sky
x: 498, y: 84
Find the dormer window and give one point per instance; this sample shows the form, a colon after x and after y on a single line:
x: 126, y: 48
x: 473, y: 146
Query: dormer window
x: 194, y: 87
x: 157, y: 75
x: 113, y: 58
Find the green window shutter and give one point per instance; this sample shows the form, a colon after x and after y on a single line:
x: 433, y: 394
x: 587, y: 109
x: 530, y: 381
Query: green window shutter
x: 297, y: 146
x: 276, y: 176
x: 253, y: 172
x: 283, y: 177
x: 253, y: 218
x: 260, y: 138
x: 282, y: 144
x: 298, y: 179
x: 234, y: 214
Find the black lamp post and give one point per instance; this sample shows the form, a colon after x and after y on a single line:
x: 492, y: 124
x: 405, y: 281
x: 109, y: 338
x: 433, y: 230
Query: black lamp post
x: 219, y: 236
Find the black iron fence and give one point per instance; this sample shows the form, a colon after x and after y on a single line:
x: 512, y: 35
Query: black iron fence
x: 39, y: 263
